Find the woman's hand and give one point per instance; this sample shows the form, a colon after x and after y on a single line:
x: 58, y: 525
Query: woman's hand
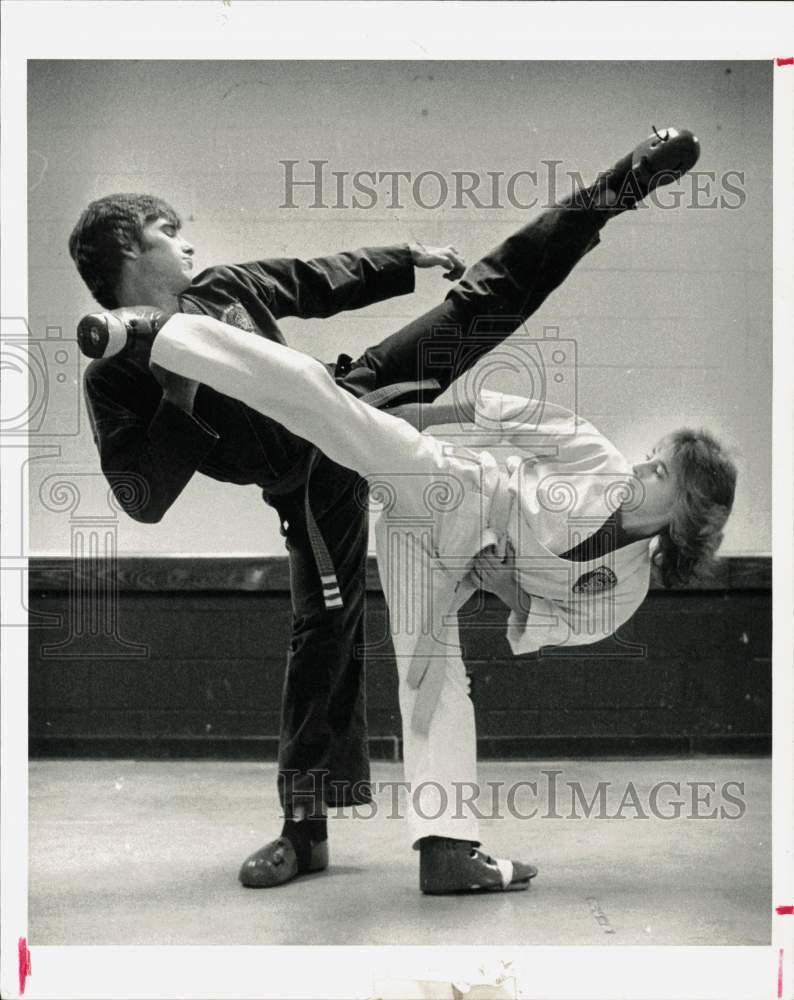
x: 498, y: 576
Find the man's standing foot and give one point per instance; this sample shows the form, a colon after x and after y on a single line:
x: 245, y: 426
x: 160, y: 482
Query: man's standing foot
x: 302, y: 848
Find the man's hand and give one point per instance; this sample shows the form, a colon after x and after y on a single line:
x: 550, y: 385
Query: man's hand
x: 447, y: 257
x: 498, y: 577
x: 179, y: 391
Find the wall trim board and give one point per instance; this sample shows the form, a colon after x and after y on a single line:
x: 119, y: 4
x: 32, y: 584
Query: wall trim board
x: 263, y: 574
x: 389, y: 748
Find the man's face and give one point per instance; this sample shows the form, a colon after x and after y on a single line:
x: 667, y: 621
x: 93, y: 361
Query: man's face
x: 166, y: 258
x: 659, y: 481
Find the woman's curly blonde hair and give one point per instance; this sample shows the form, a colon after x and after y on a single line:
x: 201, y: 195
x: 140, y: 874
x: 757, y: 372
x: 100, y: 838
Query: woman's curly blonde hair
x: 706, y: 477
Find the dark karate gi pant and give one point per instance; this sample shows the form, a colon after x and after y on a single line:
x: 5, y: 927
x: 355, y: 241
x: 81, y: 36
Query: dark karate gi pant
x: 323, y: 752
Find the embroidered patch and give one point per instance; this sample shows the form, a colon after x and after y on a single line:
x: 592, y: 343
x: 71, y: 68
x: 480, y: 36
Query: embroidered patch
x: 237, y: 315
x: 594, y: 582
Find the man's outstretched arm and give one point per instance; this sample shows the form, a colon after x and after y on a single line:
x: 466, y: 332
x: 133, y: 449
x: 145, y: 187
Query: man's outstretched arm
x: 324, y: 286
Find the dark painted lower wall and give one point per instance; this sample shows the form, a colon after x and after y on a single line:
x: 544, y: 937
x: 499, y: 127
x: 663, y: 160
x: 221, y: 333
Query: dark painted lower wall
x: 155, y: 657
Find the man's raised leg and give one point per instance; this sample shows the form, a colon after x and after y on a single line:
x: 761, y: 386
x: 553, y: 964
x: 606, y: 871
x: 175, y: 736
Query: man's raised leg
x: 503, y: 289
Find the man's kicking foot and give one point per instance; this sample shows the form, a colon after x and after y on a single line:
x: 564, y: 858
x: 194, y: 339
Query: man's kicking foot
x: 457, y: 866
x: 660, y: 159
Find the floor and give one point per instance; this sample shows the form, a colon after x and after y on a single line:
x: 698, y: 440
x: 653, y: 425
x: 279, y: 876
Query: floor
x: 129, y: 852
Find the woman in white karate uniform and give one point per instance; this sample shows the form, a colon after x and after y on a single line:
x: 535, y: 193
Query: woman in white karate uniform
x: 538, y: 507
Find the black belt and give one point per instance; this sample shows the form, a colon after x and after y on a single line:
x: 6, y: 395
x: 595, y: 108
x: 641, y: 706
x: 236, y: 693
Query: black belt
x: 379, y: 398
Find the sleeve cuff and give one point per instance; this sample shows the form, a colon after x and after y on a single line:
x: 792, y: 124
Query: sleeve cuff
x: 396, y: 272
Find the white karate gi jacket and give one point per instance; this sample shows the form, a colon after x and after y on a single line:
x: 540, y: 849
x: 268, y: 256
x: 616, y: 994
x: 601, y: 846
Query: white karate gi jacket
x: 565, y: 479
x: 544, y: 481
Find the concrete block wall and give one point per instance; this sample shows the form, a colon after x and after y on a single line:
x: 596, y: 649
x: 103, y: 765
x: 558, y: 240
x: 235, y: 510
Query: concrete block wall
x: 194, y: 665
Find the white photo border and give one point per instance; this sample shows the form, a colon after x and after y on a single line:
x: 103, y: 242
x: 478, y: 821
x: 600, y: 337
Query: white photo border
x: 219, y: 29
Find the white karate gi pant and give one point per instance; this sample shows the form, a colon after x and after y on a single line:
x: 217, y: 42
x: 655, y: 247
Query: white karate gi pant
x: 436, y: 500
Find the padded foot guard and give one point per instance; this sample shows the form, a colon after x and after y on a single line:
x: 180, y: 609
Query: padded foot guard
x: 456, y: 866
x: 277, y: 863
x: 101, y: 335
x: 660, y: 159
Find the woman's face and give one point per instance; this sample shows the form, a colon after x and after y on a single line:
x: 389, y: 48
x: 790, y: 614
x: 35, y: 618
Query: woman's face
x: 659, y: 482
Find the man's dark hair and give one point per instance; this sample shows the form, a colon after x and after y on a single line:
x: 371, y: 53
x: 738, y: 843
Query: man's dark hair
x: 105, y: 228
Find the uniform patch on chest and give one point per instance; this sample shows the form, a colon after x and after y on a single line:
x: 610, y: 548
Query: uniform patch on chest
x: 594, y: 582
x: 237, y: 315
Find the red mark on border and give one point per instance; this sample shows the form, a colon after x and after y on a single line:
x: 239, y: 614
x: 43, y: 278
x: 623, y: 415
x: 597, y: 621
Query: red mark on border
x: 24, y: 964
x: 784, y: 911
x: 780, y: 974
x: 785, y: 62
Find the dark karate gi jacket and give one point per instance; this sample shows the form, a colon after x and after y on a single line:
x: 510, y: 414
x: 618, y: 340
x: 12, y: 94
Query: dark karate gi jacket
x: 149, y: 448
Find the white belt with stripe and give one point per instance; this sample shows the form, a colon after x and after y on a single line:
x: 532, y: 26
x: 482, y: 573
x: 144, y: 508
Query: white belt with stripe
x: 427, y: 671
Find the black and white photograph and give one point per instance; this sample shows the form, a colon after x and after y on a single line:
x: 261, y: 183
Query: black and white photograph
x: 397, y: 461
